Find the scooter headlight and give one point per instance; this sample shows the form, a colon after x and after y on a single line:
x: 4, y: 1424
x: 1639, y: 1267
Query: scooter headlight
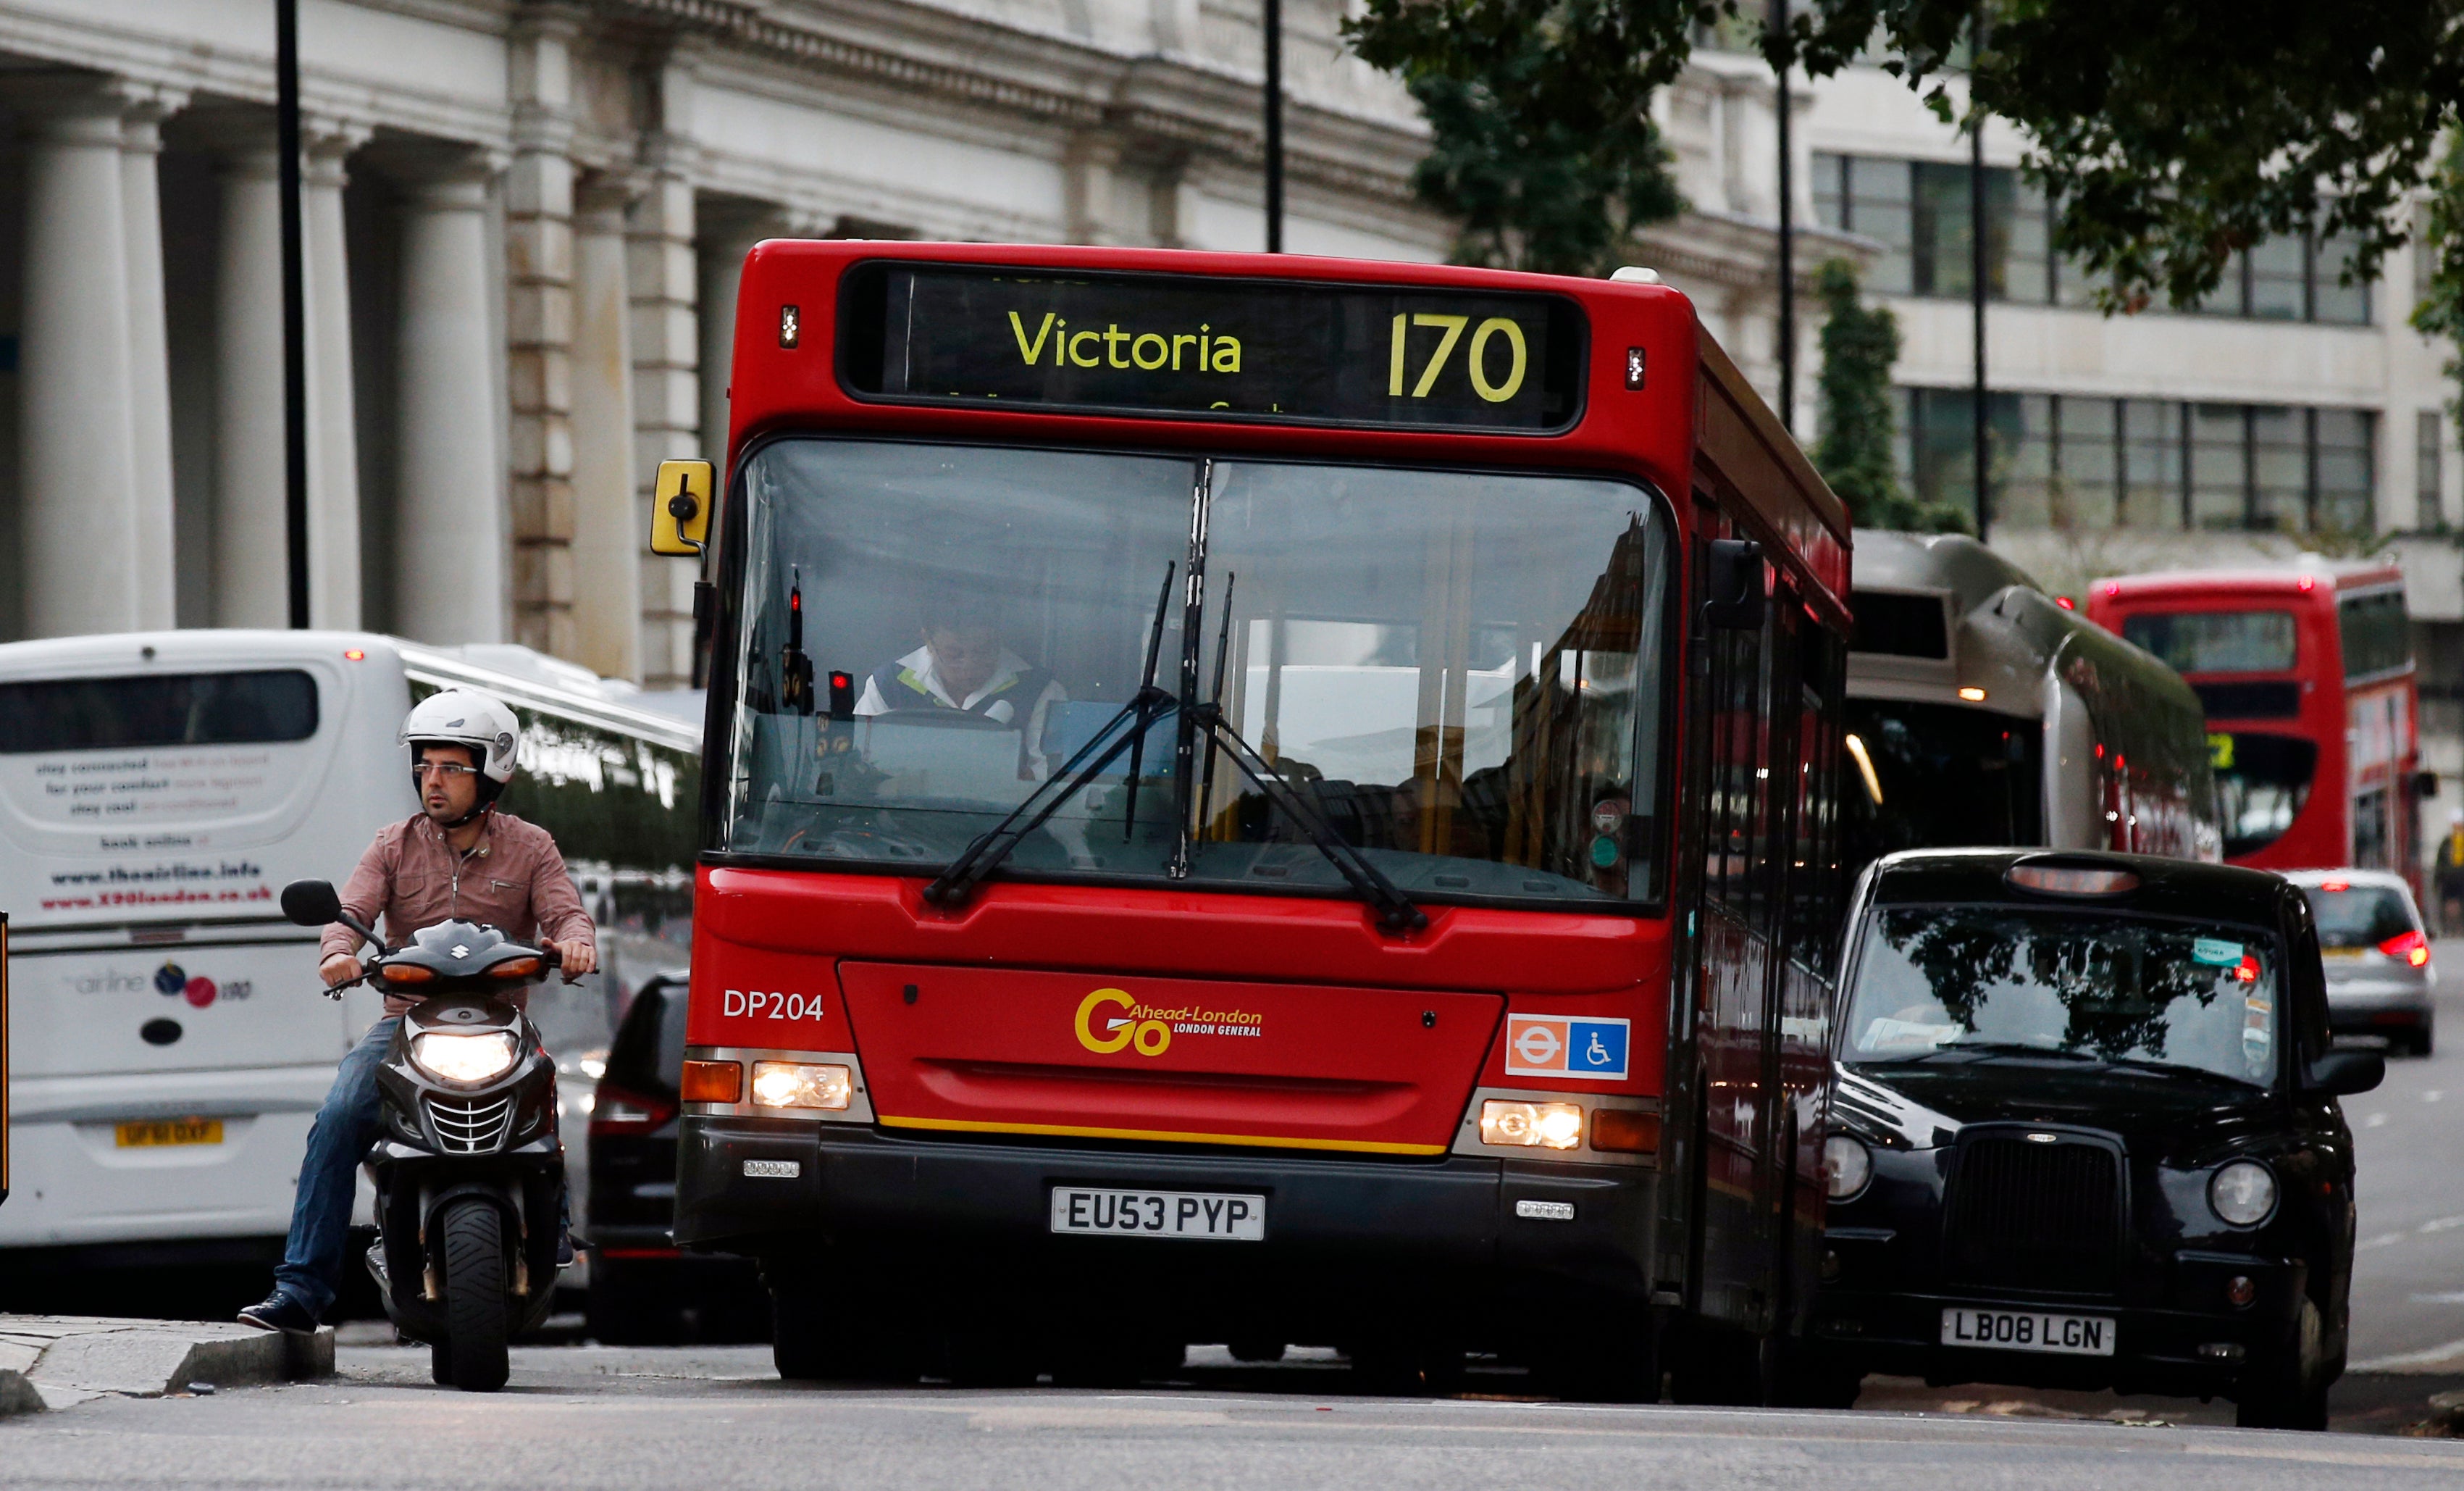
x: 464, y: 1058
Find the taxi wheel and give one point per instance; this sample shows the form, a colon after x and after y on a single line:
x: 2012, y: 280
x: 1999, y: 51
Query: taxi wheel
x: 2291, y: 1391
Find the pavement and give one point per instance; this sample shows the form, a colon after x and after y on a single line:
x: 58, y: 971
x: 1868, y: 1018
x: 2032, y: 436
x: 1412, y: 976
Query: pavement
x: 58, y: 1361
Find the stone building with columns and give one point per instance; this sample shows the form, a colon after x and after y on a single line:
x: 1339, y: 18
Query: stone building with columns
x: 522, y: 225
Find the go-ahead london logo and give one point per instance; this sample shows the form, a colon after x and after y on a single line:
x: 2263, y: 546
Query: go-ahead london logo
x: 1149, y: 1031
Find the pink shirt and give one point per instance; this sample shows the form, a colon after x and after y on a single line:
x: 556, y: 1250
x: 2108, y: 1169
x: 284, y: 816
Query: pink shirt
x: 512, y: 879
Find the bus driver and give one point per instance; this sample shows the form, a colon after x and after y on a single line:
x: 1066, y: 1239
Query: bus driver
x: 964, y: 665
x: 458, y: 859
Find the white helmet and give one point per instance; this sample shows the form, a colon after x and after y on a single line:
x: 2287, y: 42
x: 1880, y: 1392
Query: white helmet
x: 468, y: 718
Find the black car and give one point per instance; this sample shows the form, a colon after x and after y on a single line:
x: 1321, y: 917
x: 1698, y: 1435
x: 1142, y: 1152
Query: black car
x: 2084, y: 1133
x: 642, y: 1289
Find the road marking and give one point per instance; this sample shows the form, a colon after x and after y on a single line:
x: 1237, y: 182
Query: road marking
x: 2409, y: 1361
x: 2379, y: 1241
x: 2448, y: 1296
x: 2432, y: 1095
x: 2375, y: 1120
x: 2441, y: 1225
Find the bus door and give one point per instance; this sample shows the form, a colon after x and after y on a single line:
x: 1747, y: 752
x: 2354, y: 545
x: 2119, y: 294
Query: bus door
x: 1743, y: 742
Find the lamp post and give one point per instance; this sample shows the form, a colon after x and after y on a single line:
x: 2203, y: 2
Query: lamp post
x: 1976, y: 274
x: 1778, y: 26
x: 1274, y: 41
x: 294, y: 308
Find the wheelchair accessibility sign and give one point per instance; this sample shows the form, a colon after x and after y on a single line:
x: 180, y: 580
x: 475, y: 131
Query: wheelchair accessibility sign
x: 1558, y: 1045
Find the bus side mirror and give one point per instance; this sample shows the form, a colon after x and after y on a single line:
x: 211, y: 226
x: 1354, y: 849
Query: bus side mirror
x: 680, y: 514
x: 1733, y: 594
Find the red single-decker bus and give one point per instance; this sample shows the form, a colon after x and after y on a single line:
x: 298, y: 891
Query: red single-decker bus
x: 2307, y: 678
x: 1264, y: 800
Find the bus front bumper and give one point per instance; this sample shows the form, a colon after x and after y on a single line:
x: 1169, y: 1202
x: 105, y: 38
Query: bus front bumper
x: 1334, y: 1224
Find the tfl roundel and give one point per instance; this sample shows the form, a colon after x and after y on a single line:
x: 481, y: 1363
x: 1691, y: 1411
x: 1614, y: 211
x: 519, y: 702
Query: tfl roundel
x: 1558, y: 1045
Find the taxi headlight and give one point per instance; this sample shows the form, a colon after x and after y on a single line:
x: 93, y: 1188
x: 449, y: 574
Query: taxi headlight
x: 800, y: 1084
x: 2242, y: 1193
x: 1846, y: 1165
x: 1532, y: 1125
x: 464, y: 1058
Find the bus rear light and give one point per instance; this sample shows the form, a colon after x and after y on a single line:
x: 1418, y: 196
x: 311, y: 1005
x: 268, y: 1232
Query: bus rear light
x: 800, y: 1084
x: 1972, y: 694
x: 1625, y: 1131
x: 1530, y: 1126
x: 712, y: 1082
x: 2412, y: 946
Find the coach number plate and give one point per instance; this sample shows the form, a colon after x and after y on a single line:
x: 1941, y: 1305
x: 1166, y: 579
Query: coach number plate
x: 1204, y: 1215
x: 2028, y: 1330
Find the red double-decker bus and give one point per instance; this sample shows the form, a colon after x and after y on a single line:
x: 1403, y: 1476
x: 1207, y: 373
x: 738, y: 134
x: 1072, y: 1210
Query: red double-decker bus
x: 2307, y: 678
x: 1259, y: 800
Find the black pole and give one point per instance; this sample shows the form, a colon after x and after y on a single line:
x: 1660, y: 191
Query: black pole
x: 1787, y: 229
x: 1977, y: 270
x: 1274, y: 29
x: 294, y: 306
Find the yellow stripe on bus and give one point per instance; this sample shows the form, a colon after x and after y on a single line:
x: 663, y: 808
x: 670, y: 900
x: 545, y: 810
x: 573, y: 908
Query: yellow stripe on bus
x: 1072, y: 1131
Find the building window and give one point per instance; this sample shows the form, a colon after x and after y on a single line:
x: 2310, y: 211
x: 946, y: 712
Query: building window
x: 2428, y: 480
x: 2065, y: 461
x: 1919, y: 211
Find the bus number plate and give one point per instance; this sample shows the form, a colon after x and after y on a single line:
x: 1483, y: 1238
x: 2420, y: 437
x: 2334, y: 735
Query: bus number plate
x: 2028, y: 1330
x: 1202, y: 1216
x: 151, y: 1132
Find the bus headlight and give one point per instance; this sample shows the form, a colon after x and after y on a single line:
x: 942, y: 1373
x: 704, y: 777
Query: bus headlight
x: 1846, y: 1165
x: 464, y: 1058
x: 1532, y: 1125
x: 2242, y: 1193
x: 799, y: 1084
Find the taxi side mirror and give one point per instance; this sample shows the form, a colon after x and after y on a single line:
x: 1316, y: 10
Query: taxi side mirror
x: 680, y: 512
x: 2348, y: 1073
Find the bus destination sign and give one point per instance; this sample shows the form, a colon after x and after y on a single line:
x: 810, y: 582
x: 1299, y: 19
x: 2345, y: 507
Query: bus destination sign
x: 1164, y: 344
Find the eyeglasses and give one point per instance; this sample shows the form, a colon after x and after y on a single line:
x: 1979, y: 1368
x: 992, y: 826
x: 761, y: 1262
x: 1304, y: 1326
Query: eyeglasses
x: 448, y: 769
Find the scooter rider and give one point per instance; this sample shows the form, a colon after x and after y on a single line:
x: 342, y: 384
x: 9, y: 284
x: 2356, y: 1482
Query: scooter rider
x: 457, y: 858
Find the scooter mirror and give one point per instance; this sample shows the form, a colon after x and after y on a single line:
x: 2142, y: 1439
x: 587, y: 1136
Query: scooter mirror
x: 311, y: 903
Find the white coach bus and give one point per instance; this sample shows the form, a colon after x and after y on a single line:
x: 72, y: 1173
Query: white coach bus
x: 157, y: 791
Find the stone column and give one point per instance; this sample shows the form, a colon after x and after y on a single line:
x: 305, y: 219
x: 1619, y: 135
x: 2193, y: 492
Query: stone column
x: 154, y: 578
x: 251, y: 542
x: 667, y: 380
x: 77, y: 487
x: 728, y: 231
x: 538, y: 324
x: 608, y: 542
x: 332, y: 435
x: 450, y: 529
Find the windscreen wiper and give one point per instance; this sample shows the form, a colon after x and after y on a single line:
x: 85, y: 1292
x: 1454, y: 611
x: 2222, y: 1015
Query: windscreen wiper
x: 1395, y: 911
x: 1145, y: 708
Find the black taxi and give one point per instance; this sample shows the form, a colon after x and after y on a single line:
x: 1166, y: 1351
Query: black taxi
x: 2084, y: 1133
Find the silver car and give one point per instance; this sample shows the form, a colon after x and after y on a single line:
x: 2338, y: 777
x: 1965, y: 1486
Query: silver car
x: 2377, y: 953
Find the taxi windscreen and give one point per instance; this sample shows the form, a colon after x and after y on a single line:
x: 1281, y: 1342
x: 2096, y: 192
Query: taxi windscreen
x: 1967, y: 982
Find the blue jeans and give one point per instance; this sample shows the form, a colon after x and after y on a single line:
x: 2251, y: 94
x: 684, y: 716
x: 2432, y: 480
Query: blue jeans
x: 346, y: 1129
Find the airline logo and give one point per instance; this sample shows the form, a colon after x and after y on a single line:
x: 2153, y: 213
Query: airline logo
x: 1561, y: 1046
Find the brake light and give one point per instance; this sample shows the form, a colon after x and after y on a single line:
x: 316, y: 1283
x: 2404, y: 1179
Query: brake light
x: 2338, y: 886
x: 2053, y: 879
x: 712, y: 1081
x: 621, y: 1110
x: 2412, y: 946
x: 2247, y: 970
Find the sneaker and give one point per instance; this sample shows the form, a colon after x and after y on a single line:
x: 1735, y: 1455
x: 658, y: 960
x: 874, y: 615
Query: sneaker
x: 280, y: 1312
x: 564, y: 1250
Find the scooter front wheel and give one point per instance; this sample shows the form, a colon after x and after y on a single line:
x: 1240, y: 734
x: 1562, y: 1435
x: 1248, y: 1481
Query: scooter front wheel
x: 476, y: 1321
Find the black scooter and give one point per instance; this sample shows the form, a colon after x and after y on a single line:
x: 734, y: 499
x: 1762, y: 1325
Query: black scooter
x: 468, y: 1171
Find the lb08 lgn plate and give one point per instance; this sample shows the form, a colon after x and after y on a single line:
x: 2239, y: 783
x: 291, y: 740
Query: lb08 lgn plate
x: 2029, y: 1330
x: 1200, y: 1215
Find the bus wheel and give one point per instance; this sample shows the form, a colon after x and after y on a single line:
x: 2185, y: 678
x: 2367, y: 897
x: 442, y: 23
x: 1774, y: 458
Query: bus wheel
x: 980, y: 1357
x: 816, y: 1336
x: 1096, y: 1363
x: 1407, y: 1368
x: 1617, y: 1362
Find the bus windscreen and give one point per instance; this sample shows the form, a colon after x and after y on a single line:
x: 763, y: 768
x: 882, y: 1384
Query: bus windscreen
x: 1159, y: 345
